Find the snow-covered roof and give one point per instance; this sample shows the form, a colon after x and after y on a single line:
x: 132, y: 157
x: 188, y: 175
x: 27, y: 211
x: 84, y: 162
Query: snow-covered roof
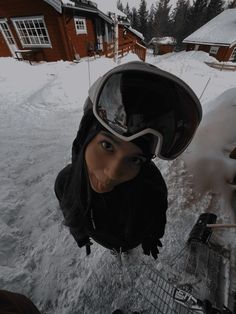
x: 221, y: 30
x: 68, y: 2
x: 138, y: 34
x: 109, y: 7
x: 86, y: 6
x: 56, y: 4
x: 163, y: 40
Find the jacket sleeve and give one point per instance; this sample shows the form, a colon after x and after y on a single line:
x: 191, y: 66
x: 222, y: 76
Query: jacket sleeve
x: 156, y: 201
x: 61, y: 182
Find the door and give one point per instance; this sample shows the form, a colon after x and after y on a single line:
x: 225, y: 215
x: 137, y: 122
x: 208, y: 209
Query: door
x: 7, y: 34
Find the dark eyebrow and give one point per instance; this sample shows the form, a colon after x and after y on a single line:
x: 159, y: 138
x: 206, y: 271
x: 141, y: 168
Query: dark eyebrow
x: 117, y: 141
x: 112, y: 137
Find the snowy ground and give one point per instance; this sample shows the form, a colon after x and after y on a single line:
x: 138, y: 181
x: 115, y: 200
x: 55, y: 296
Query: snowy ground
x: 40, y: 110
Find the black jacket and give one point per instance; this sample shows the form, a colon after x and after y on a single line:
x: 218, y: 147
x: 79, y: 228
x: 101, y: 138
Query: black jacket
x: 122, y: 218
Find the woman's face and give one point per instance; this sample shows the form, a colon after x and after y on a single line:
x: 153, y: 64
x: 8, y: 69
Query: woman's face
x: 111, y: 161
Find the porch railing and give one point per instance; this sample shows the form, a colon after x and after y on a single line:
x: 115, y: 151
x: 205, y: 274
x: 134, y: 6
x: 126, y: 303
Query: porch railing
x: 139, y: 50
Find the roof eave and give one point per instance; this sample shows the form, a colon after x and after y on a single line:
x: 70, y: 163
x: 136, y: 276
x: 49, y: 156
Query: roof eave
x: 105, y: 17
x: 232, y: 44
x: 206, y: 43
x: 91, y: 10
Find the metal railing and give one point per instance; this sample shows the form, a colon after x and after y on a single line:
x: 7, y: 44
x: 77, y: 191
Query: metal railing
x: 222, y: 66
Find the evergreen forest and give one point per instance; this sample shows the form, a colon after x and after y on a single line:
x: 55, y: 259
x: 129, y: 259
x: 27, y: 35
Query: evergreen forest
x: 162, y: 20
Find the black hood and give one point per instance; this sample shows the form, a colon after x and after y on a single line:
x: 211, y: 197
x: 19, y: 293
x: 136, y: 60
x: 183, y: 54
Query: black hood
x: 88, y: 129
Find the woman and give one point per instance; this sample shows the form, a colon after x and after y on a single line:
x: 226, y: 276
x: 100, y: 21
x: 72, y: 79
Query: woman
x: 112, y: 192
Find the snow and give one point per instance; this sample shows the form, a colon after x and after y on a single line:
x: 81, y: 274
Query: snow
x: 163, y: 40
x: 68, y: 2
x: 220, y: 30
x: 40, y: 110
x: 109, y: 6
x: 140, y: 35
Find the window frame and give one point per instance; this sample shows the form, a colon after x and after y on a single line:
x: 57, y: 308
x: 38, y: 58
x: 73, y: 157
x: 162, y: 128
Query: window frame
x: 214, y: 50
x: 80, y: 31
x: 6, y: 32
x: 32, y: 27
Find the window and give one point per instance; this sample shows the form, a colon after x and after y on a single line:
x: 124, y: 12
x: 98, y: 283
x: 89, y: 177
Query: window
x: 233, y: 55
x: 196, y: 47
x: 32, y: 32
x: 6, y: 31
x: 213, y: 50
x: 80, y: 25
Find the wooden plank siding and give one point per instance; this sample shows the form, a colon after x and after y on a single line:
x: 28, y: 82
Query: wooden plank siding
x: 79, y: 42
x: 66, y: 44
x: 163, y: 49
x: 223, y: 53
x: 26, y: 8
x: 128, y: 41
x: 4, y: 50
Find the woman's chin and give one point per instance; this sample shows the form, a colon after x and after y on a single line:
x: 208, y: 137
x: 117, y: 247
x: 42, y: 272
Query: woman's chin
x: 100, y: 188
x: 105, y: 190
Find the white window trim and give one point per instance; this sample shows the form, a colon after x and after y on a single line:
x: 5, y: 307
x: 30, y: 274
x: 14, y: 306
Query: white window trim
x: 33, y: 45
x: 233, y: 55
x: 11, y: 37
x: 214, y: 50
x: 80, y: 31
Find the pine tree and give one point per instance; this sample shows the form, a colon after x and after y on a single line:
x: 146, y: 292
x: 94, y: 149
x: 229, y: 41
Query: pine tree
x: 196, y: 15
x: 119, y: 5
x: 162, y: 20
x: 150, y: 26
x: 128, y: 12
x: 214, y: 8
x: 134, y: 19
x: 143, y: 18
x: 178, y: 18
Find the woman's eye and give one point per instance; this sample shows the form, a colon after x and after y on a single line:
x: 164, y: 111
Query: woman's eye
x: 107, y: 146
x: 138, y: 161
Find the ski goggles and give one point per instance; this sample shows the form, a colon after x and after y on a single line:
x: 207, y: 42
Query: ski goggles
x: 131, y: 103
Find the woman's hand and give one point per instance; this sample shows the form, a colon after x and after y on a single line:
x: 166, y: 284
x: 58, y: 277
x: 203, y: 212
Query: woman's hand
x: 150, y: 246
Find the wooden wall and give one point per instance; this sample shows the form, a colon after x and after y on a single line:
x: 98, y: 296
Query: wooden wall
x: 80, y: 42
x: 66, y: 44
x: 55, y: 25
x: 125, y: 36
x: 165, y: 49
x: 4, y: 50
x: 229, y: 52
x: 223, y: 53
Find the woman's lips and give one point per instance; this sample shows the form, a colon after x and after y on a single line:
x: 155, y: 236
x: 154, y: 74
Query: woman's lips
x: 100, y: 187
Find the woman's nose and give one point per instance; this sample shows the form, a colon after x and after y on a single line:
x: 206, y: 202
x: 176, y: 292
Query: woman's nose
x: 114, y: 170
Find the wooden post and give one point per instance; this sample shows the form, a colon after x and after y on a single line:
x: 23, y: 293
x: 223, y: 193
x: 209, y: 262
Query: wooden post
x: 116, y: 46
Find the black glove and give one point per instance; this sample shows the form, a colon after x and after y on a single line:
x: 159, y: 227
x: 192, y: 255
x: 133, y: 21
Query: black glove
x: 150, y: 245
x: 84, y: 241
x: 81, y: 238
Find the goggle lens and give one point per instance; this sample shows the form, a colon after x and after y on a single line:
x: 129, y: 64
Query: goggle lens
x: 132, y: 104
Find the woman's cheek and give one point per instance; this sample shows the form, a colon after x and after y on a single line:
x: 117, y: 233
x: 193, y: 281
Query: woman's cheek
x: 132, y: 172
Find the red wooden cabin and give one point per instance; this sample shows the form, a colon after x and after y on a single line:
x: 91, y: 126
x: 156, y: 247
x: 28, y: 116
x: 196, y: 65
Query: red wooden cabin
x: 217, y: 37
x: 52, y: 30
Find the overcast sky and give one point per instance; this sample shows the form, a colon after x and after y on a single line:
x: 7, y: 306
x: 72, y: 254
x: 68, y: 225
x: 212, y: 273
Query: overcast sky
x: 136, y: 3
x: 109, y: 5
